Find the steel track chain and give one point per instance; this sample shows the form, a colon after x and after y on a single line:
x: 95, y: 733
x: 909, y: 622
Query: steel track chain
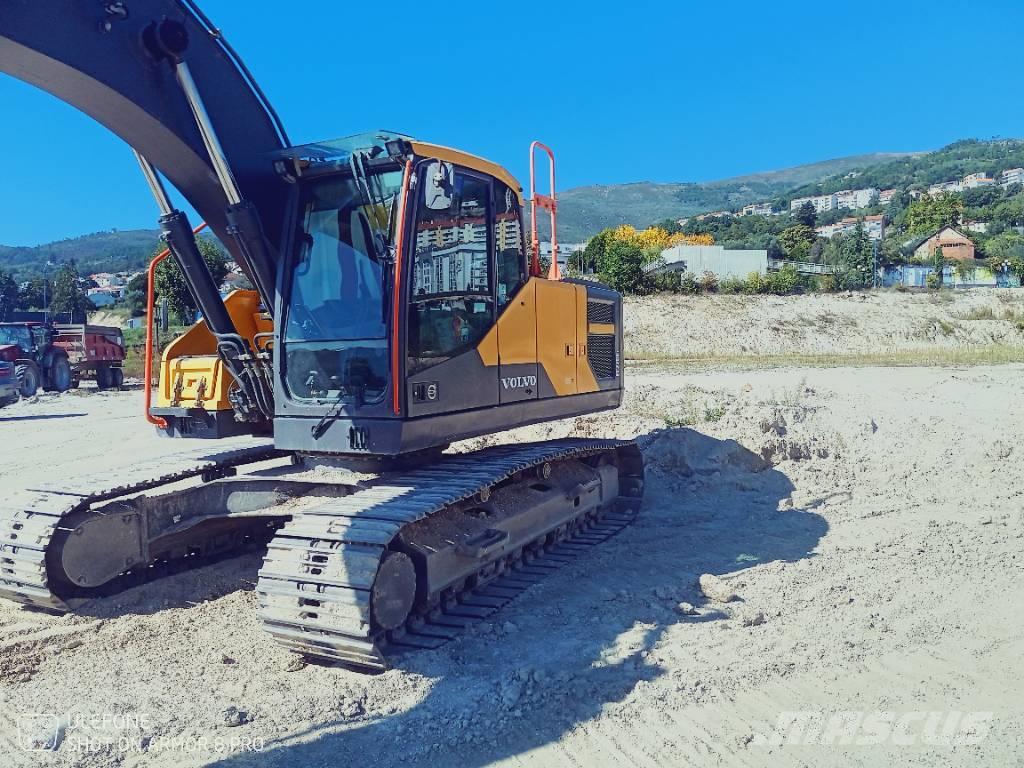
x: 30, y: 518
x: 315, y: 585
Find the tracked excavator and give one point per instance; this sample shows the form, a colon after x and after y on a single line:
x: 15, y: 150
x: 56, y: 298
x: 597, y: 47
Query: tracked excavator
x: 397, y: 308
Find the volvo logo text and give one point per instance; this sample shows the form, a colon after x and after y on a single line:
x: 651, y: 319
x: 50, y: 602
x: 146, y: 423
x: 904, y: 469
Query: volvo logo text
x: 519, y: 382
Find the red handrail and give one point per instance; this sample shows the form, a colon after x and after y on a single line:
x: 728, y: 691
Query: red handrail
x: 395, y: 305
x: 150, y: 298
x: 548, y: 203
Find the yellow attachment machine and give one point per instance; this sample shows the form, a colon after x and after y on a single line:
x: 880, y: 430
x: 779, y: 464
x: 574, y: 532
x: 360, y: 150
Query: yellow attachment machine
x: 193, y: 377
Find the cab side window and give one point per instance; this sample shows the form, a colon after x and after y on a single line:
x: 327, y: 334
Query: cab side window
x: 508, y: 243
x: 451, y: 304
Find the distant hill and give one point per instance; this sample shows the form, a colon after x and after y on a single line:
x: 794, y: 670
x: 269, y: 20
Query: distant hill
x: 920, y: 170
x: 584, y: 211
x: 112, y: 251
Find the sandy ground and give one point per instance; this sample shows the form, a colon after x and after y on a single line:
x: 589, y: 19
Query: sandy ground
x: 868, y: 520
x: 824, y: 324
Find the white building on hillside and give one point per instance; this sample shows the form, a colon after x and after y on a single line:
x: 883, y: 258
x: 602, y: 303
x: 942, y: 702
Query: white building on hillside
x: 757, y: 209
x: 1011, y: 176
x: 821, y: 203
x: 975, y: 180
x: 855, y: 198
x: 852, y: 199
x: 874, y: 227
x: 945, y: 187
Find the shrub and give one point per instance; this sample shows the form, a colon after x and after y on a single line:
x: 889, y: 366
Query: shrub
x: 709, y: 282
x: 665, y: 282
x: 933, y: 280
x: 688, y: 283
x: 731, y: 285
x: 755, y: 283
x: 786, y: 280
x: 623, y: 268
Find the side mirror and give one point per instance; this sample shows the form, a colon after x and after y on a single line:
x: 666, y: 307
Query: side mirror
x: 440, y: 184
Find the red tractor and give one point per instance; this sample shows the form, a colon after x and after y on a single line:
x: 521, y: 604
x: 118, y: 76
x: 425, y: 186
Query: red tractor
x: 8, y: 384
x: 57, y: 357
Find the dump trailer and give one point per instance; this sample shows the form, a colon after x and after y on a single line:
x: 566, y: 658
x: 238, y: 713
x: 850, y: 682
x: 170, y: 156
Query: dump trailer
x: 398, y: 308
x: 95, y: 352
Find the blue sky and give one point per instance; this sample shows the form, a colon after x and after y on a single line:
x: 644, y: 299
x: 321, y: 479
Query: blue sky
x: 669, y: 91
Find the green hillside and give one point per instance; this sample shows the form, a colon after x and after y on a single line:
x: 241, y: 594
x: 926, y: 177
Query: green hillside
x: 112, y: 251
x: 919, y: 171
x: 584, y: 211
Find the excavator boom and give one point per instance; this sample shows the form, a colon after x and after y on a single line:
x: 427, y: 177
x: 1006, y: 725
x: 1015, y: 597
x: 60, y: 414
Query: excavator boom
x: 109, y: 60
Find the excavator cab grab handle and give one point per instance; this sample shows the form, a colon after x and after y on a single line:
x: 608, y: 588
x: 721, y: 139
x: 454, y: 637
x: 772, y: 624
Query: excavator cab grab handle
x: 550, y: 204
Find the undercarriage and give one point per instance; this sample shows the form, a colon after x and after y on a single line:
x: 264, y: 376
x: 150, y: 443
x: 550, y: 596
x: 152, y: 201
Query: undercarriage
x: 357, y: 569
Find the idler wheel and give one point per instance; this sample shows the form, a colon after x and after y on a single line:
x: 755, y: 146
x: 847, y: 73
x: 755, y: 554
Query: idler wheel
x: 394, y: 591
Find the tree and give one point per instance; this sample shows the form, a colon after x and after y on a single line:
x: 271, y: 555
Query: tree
x: 8, y: 294
x: 860, y: 253
x: 669, y: 225
x: 1017, y: 268
x: 852, y: 256
x: 1007, y: 245
x: 796, y: 241
x: 35, y: 294
x: 135, y: 294
x: 623, y: 268
x: 171, y: 285
x: 807, y: 215
x: 964, y: 270
x: 592, y: 259
x: 928, y: 214
x: 69, y: 297
x: 939, y: 265
x: 786, y: 280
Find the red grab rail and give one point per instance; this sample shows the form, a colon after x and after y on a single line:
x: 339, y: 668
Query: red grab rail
x: 548, y: 203
x: 398, y: 297
x: 150, y: 299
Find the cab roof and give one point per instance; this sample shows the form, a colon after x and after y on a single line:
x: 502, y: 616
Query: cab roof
x: 467, y: 160
x: 338, y: 152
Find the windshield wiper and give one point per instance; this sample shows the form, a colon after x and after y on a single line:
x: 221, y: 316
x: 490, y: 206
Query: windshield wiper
x: 335, y: 412
x: 375, y: 200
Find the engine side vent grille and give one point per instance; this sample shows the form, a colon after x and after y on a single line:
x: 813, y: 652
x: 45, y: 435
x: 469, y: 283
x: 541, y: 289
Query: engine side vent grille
x: 600, y: 312
x: 603, y: 357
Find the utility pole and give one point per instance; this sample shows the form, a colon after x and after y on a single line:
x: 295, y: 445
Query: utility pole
x: 46, y: 302
x: 874, y: 264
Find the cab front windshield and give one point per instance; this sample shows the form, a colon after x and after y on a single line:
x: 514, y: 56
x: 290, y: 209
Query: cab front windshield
x: 16, y: 334
x: 336, y: 326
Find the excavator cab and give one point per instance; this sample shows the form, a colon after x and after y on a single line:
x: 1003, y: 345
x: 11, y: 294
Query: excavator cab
x: 408, y: 308
x: 409, y: 312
